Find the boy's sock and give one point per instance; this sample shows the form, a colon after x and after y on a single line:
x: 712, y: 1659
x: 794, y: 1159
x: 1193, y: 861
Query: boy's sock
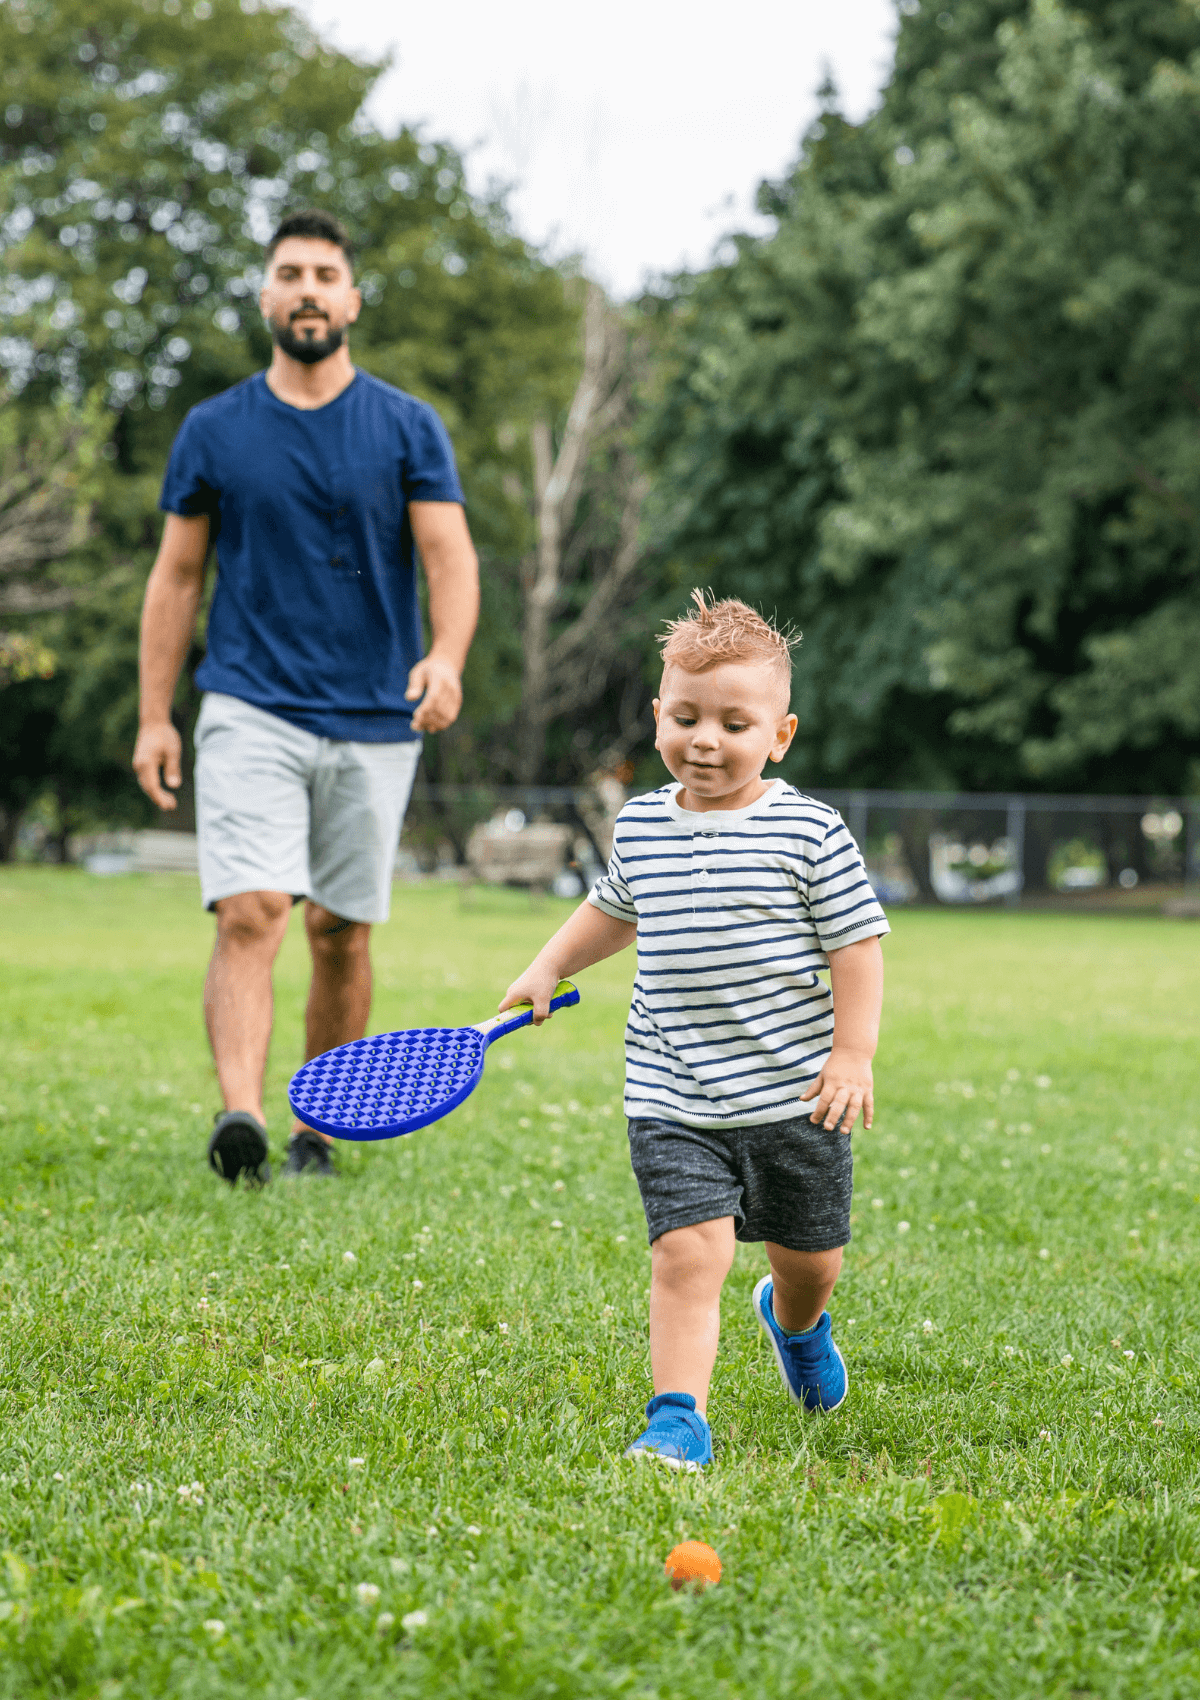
x: 801, y: 1333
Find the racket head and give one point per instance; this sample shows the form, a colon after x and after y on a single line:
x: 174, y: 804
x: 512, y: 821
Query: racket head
x: 390, y: 1083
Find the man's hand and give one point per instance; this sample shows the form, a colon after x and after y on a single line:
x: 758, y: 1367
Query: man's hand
x: 438, y: 682
x: 844, y: 1087
x: 159, y: 748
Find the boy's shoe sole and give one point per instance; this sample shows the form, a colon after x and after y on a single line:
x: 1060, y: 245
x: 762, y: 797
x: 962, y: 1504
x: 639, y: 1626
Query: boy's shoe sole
x: 773, y: 1342
x: 238, y: 1146
x: 637, y: 1453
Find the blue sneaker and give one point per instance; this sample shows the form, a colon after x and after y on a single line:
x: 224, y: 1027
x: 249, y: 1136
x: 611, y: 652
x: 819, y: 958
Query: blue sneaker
x: 678, y: 1435
x: 812, y: 1368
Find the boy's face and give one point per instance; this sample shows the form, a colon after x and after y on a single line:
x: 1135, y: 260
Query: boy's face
x: 718, y: 729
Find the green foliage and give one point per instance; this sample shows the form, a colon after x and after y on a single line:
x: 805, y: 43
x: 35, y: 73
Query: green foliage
x: 146, y: 153
x: 995, y: 1510
x: 944, y: 418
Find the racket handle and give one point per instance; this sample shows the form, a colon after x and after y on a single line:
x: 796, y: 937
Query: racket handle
x: 522, y: 1016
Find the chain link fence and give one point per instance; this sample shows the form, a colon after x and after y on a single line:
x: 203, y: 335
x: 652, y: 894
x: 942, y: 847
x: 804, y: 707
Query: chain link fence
x: 965, y: 848
x: 958, y: 849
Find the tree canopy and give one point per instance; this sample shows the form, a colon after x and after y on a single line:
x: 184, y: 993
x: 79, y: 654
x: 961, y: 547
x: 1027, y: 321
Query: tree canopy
x: 146, y: 152
x: 946, y: 417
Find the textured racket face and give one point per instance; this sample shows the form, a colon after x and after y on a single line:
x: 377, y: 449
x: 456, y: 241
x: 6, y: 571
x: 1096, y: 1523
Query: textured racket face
x: 390, y: 1084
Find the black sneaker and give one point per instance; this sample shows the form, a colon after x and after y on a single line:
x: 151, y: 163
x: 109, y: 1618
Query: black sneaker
x: 238, y: 1146
x: 308, y: 1154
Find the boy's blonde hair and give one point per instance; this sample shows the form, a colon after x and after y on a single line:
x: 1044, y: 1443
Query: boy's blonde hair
x: 729, y: 630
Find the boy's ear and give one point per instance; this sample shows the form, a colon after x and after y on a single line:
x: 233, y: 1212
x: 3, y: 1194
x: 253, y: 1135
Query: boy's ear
x: 784, y: 733
x: 656, y: 705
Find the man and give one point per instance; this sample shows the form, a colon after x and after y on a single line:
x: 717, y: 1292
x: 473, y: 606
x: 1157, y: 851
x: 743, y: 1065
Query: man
x: 318, y: 484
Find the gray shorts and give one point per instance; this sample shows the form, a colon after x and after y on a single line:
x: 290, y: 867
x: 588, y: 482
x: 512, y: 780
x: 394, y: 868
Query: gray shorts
x: 788, y: 1182
x: 279, y: 809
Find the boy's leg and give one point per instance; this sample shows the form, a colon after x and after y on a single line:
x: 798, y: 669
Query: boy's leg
x: 798, y: 1184
x: 803, y: 1282
x: 687, y: 1271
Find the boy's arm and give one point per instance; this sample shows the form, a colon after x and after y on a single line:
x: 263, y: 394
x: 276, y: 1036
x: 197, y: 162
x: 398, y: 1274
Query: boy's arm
x: 589, y: 936
x: 845, y: 1083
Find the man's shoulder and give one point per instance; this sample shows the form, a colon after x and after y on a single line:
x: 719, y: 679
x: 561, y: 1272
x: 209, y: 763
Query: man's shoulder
x: 219, y: 409
x: 377, y: 393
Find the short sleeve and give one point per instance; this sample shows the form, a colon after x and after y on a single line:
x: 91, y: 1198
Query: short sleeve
x: 841, y: 901
x: 187, y: 487
x: 430, y: 474
x: 611, y: 893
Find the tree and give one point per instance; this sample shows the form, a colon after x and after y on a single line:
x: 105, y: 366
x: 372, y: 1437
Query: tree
x: 580, y: 575
x: 145, y: 154
x: 946, y: 417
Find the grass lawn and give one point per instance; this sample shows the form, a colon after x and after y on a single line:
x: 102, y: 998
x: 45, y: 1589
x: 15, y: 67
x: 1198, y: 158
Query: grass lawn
x: 407, y: 1392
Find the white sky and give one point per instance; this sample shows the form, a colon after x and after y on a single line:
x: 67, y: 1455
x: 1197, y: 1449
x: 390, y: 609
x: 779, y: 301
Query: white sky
x: 635, y: 131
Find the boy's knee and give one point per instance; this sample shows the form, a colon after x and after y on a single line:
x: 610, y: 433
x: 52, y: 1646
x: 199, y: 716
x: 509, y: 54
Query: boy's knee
x: 804, y: 1268
x: 701, y: 1250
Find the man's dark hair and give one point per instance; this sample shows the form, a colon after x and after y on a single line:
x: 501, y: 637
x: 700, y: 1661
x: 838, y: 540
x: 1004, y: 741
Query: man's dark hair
x: 317, y: 224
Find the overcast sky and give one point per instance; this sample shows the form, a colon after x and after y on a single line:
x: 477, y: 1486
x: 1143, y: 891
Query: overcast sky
x: 635, y: 131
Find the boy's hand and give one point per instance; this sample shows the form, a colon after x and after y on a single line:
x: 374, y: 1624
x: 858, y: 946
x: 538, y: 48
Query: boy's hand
x: 536, y: 986
x: 844, y: 1087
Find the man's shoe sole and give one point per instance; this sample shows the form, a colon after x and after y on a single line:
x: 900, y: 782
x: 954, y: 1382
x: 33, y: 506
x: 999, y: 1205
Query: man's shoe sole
x: 821, y: 1410
x: 239, y: 1147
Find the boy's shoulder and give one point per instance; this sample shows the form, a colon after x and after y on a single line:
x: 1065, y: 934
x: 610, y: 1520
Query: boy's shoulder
x: 647, y: 811
x: 801, y: 809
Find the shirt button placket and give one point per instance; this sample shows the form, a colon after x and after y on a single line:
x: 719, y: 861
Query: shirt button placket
x: 702, y: 875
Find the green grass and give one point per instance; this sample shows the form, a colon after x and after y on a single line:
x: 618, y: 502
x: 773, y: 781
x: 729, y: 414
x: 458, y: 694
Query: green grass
x: 1006, y: 1504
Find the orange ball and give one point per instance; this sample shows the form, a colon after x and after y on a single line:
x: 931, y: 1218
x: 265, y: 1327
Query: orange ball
x: 692, y: 1562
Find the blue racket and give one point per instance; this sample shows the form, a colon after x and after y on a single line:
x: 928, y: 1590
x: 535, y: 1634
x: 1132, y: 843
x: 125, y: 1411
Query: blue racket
x: 395, y: 1083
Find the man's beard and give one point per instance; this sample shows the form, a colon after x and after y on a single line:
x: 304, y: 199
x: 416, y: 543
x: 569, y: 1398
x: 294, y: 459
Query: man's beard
x: 309, y: 350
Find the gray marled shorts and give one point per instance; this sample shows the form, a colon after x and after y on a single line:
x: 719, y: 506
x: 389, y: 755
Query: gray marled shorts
x: 788, y: 1182
x: 279, y: 809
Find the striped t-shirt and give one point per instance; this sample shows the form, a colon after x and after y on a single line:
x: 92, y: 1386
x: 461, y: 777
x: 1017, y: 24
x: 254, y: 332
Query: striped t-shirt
x: 736, y: 910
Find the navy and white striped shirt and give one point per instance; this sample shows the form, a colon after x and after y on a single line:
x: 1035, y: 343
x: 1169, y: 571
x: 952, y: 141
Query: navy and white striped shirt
x: 736, y: 910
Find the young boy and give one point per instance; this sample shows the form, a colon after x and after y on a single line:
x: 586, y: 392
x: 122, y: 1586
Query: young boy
x: 737, y: 890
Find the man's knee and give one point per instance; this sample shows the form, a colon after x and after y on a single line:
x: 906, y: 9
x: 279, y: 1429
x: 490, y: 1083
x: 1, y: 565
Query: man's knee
x: 253, y: 917
x: 332, y: 938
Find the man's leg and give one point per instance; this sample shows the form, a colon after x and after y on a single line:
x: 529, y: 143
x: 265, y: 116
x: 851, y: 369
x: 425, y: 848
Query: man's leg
x: 359, y: 793
x: 339, y: 998
x: 688, y: 1267
x: 238, y: 1004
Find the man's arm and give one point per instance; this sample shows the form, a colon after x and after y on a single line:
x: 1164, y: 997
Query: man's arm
x: 845, y: 1083
x: 169, y: 611
x: 452, y: 574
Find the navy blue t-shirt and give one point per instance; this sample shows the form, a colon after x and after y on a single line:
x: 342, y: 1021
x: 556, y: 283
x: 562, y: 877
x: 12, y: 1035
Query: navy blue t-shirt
x: 315, y: 615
